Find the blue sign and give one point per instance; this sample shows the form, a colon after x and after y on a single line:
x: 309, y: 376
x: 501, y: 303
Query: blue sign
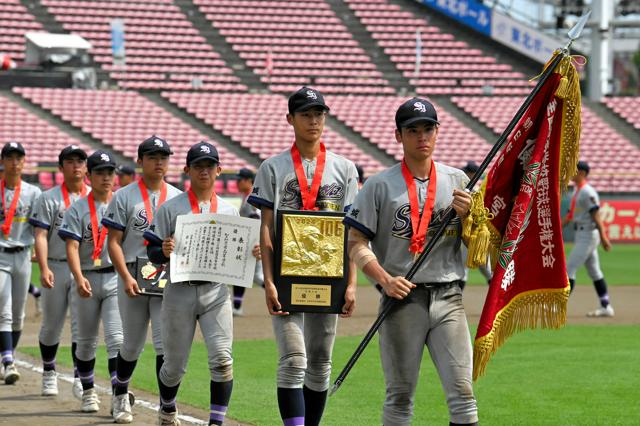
x: 468, y: 12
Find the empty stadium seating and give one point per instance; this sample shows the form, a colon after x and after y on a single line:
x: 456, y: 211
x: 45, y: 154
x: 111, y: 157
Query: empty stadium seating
x: 163, y: 49
x: 613, y: 159
x: 448, y: 66
x: 257, y: 122
x: 309, y: 45
x: 15, y: 21
x: 122, y: 119
x: 627, y: 108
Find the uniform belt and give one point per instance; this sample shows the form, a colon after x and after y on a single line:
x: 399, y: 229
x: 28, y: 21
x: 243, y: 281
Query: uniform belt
x: 584, y: 227
x: 436, y: 285
x: 55, y: 260
x: 107, y: 270
x: 193, y: 283
x: 13, y: 249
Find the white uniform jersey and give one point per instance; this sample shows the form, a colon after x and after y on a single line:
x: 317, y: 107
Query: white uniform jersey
x: 587, y: 201
x: 276, y: 185
x: 47, y: 214
x: 76, y: 224
x: 21, y: 234
x: 382, y: 212
x: 127, y: 213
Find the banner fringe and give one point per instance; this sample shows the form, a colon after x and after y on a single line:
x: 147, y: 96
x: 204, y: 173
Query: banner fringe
x: 569, y: 91
x: 543, y: 308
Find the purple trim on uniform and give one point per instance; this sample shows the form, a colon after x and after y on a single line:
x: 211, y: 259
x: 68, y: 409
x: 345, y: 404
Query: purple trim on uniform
x: 238, y: 298
x: 169, y: 403
x: 294, y: 421
x: 360, y: 227
x: 38, y: 224
x: 49, y: 363
x: 122, y: 381
x: 86, y: 378
x: 151, y: 237
x: 111, y: 224
x: 259, y: 202
x: 7, y: 357
x: 66, y: 234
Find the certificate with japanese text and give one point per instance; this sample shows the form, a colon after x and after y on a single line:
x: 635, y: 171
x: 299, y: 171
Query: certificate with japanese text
x: 214, y: 247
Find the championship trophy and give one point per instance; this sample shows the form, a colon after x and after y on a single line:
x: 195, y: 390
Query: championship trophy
x: 311, y: 264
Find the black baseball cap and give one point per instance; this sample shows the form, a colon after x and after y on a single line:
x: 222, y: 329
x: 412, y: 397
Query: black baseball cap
x: 100, y: 160
x: 415, y: 110
x: 10, y: 147
x: 306, y: 98
x: 584, y: 166
x: 200, y: 151
x: 153, y: 144
x: 360, y: 171
x: 245, y: 173
x: 471, y: 167
x: 123, y: 169
x: 70, y: 150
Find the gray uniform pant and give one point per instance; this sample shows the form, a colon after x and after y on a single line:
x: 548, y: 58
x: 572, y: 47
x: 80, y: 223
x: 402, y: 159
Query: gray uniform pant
x: 15, y: 275
x: 585, y: 251
x: 136, y: 313
x: 433, y: 317
x: 103, y: 304
x: 305, y: 344
x: 55, y: 302
x: 183, y: 306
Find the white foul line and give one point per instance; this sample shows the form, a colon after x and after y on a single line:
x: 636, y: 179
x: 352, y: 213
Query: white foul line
x: 101, y: 389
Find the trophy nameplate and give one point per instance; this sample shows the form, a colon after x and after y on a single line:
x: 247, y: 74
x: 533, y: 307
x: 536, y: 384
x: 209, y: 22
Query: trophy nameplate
x: 311, y: 265
x: 151, y: 278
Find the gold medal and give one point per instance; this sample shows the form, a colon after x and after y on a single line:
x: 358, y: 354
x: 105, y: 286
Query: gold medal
x: 97, y: 262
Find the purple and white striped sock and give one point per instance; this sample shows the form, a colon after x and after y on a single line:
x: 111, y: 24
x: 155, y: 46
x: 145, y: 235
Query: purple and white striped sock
x: 7, y: 357
x: 294, y: 421
x: 217, y: 413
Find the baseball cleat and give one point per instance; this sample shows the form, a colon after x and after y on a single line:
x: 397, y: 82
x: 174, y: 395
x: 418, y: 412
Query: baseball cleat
x: 122, y: 409
x: 132, y: 399
x: 90, y: 401
x: 76, y: 389
x: 11, y: 375
x: 237, y: 312
x: 49, y: 383
x: 602, y: 312
x: 168, y: 419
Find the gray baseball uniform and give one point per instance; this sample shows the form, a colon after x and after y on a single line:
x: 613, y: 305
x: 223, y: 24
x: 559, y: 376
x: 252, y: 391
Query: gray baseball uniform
x: 103, y: 304
x: 48, y: 213
x: 587, y: 237
x: 433, y: 312
x: 187, y: 303
x: 127, y: 213
x: 15, y: 258
x: 305, y: 340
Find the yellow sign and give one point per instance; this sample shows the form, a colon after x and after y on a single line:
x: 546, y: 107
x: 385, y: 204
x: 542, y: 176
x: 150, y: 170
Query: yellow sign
x: 312, y: 246
x: 311, y: 294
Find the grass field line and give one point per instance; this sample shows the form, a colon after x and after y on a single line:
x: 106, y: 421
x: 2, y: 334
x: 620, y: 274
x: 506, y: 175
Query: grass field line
x: 106, y: 391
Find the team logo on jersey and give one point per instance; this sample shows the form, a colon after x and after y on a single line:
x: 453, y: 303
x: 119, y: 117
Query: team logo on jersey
x: 58, y: 221
x: 87, y: 234
x: 401, y: 227
x: 419, y: 106
x: 354, y: 213
x: 311, y: 94
x: 105, y: 158
x: 291, y: 197
x: 140, y: 221
x: 255, y: 190
x: 205, y: 149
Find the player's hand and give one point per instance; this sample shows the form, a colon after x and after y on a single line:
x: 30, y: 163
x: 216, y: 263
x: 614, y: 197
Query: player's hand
x: 256, y: 252
x: 46, y: 278
x: 34, y: 259
x: 461, y: 202
x: 84, y: 288
x: 168, y: 245
x: 606, y: 244
x: 273, y: 304
x: 131, y: 287
x: 397, y: 287
x: 349, y: 302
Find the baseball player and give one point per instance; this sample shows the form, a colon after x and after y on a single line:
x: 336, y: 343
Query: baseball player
x: 127, y: 217
x: 188, y: 303
x: 55, y: 276
x: 126, y: 175
x: 396, y: 212
x: 306, y: 177
x: 589, y: 232
x: 94, y: 275
x: 245, y: 186
x: 16, y: 237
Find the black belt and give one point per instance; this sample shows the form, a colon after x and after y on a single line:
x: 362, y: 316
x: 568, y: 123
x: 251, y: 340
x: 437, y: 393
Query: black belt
x: 584, y: 227
x: 427, y: 285
x: 107, y: 270
x: 193, y: 283
x: 56, y: 260
x: 13, y: 249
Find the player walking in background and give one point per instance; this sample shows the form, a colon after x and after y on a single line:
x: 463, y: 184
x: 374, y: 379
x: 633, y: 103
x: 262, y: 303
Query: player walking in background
x: 18, y: 200
x: 188, y: 303
x: 589, y: 233
x: 305, y: 340
x: 128, y: 216
x: 94, y: 275
x: 55, y: 277
x: 245, y: 186
x: 394, y: 212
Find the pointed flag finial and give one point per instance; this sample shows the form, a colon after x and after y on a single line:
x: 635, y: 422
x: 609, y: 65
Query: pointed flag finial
x: 574, y: 33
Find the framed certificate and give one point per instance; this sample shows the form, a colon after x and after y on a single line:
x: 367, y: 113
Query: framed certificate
x: 311, y: 262
x: 152, y: 278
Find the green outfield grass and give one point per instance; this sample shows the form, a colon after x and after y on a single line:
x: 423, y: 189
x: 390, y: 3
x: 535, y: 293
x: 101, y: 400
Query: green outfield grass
x: 579, y: 375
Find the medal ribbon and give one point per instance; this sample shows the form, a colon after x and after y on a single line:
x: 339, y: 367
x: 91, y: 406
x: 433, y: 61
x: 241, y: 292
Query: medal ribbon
x: 309, y: 196
x: 65, y: 194
x: 98, y: 236
x: 8, y: 215
x: 572, y: 207
x: 147, y: 204
x: 419, y: 225
x: 195, y: 206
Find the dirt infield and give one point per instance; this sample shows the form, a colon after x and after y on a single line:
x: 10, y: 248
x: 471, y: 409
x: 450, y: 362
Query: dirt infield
x: 22, y: 404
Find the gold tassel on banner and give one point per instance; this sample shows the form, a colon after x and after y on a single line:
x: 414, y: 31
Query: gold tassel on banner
x: 476, y: 231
